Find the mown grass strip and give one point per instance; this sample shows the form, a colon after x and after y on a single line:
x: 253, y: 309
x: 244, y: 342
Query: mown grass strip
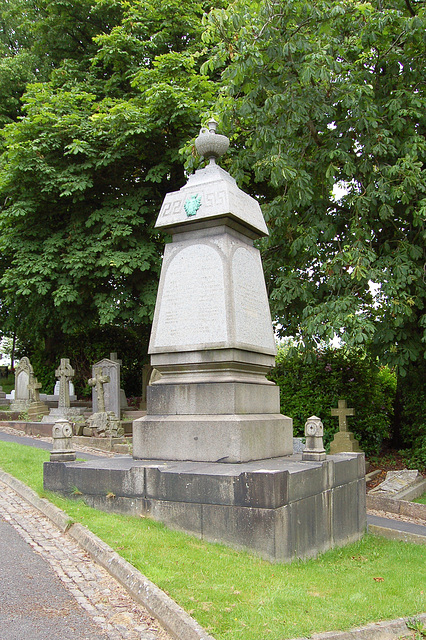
x: 238, y: 596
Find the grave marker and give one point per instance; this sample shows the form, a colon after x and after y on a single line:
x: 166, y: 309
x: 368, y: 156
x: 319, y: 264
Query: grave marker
x: 212, y: 338
x: 37, y: 409
x: 97, y: 382
x: 110, y: 367
x: 65, y: 373
x: 344, y: 440
x: 23, y: 373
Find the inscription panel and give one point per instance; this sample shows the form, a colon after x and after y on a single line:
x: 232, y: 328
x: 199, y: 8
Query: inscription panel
x: 253, y: 324
x: 192, y: 308
x: 22, y: 392
x: 217, y: 198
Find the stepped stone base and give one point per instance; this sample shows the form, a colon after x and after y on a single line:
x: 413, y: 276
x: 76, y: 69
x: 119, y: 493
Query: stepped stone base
x: 212, y: 438
x: 344, y: 441
x: 281, y: 508
x: 68, y: 413
x: 19, y: 405
x: 36, y: 410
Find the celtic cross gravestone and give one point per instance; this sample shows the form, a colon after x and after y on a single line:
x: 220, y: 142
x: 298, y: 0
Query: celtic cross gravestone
x: 65, y: 373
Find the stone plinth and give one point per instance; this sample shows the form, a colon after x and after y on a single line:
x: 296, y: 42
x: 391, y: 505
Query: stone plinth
x: 68, y: 413
x: 37, y: 410
x: 62, y: 448
x: 344, y: 441
x: 280, y: 509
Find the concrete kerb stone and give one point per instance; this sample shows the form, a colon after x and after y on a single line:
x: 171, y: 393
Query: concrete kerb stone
x: 394, y: 534
x: 171, y: 616
x: 375, y: 631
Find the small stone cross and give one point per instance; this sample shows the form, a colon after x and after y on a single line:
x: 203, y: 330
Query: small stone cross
x: 113, y: 357
x: 65, y: 373
x: 33, y: 386
x: 342, y: 412
x: 98, y: 381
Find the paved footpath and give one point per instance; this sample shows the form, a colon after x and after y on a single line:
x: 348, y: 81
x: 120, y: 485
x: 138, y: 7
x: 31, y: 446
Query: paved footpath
x: 50, y: 588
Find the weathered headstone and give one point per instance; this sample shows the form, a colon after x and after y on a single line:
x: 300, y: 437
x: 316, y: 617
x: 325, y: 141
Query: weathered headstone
x: 97, y: 383
x: 212, y: 338
x: 37, y: 409
x: 102, y: 422
x: 23, y: 373
x: 2, y: 393
x: 344, y: 440
x: 110, y: 368
x: 71, y: 390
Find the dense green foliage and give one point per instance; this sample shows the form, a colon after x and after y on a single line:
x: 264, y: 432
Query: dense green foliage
x: 317, y: 93
x: 313, y: 388
x: 411, y: 408
x: 84, y: 349
x: 84, y: 171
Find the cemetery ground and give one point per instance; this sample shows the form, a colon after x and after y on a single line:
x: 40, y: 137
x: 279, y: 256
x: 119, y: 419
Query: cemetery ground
x: 236, y: 595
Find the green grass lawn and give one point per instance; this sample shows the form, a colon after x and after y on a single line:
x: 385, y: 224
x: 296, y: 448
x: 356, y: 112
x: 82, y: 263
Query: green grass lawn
x: 237, y: 596
x: 421, y: 500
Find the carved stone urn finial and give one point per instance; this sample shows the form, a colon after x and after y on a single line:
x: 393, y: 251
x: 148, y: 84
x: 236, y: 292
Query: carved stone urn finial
x: 210, y: 144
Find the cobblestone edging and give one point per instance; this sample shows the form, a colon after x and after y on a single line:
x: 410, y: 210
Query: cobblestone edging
x: 110, y: 607
x: 42, y: 535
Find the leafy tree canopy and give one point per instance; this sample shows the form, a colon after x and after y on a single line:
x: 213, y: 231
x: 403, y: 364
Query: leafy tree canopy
x: 320, y: 93
x: 84, y: 171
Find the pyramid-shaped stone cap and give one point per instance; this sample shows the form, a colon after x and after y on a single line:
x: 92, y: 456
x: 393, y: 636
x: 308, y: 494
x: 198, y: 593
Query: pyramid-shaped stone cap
x: 211, y: 193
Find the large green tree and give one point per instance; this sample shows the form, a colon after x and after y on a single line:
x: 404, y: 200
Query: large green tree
x: 84, y: 170
x: 320, y: 93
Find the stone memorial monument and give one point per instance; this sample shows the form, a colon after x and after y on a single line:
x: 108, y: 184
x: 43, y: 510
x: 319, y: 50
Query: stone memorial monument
x: 110, y: 368
x: 214, y: 456
x: 344, y: 440
x: 97, y: 383
x: 212, y: 339
x: 23, y: 373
